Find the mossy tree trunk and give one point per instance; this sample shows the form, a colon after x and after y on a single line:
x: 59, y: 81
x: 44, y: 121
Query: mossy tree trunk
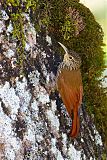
x: 75, y: 26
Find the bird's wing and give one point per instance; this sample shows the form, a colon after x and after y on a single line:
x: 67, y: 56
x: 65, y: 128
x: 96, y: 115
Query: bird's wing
x: 70, y: 88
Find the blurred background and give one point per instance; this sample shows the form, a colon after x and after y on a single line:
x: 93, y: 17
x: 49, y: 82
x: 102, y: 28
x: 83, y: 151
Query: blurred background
x: 99, y: 9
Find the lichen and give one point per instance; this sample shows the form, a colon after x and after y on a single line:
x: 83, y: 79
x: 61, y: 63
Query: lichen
x: 82, y: 34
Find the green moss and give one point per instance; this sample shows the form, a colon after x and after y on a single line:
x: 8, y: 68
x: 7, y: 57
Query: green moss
x: 18, y: 33
x: 15, y: 10
x: 17, y: 22
x: 52, y: 17
x: 89, y: 44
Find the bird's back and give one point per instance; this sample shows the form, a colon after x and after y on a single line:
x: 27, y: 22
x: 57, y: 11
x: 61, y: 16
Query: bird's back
x: 71, y: 77
x: 69, y: 85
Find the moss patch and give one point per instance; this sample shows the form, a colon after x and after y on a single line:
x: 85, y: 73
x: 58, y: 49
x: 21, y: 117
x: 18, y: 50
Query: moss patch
x: 74, y: 25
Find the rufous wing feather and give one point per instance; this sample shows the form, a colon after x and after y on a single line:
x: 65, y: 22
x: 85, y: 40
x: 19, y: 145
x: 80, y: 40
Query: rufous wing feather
x: 71, y: 96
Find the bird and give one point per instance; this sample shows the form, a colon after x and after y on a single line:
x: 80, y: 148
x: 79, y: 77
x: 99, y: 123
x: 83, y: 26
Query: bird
x: 70, y: 87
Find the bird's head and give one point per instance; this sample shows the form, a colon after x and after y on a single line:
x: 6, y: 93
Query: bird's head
x: 70, y: 57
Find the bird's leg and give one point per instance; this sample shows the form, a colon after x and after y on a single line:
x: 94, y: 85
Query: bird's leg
x: 49, y: 84
x: 50, y: 87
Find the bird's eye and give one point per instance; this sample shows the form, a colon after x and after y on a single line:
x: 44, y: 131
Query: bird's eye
x: 70, y: 57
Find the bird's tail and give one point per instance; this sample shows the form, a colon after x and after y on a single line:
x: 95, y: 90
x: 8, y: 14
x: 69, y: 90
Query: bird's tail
x: 75, y: 124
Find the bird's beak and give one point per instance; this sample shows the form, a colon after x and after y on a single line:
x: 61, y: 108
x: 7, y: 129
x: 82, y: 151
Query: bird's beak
x: 65, y: 49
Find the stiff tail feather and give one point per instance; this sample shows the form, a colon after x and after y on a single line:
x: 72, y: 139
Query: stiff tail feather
x: 75, y: 125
